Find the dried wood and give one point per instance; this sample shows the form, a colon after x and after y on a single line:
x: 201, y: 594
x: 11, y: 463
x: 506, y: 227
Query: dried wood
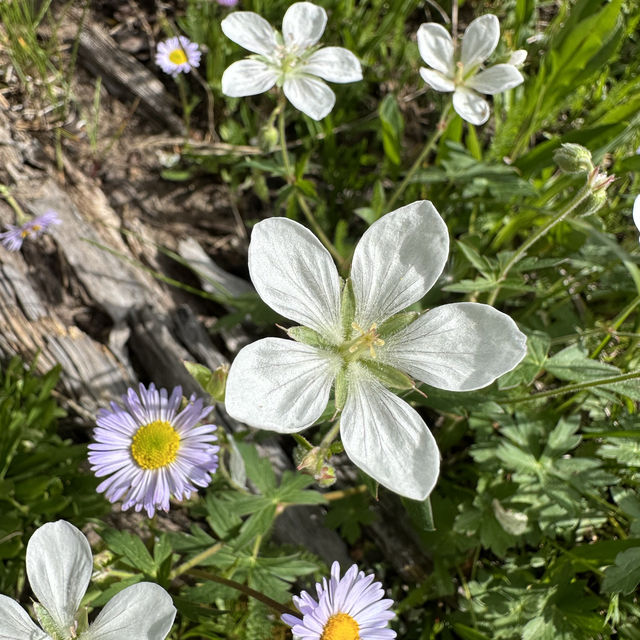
x: 125, y: 77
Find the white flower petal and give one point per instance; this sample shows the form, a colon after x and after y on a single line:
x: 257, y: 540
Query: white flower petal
x: 518, y: 57
x: 436, y: 47
x: 496, y: 79
x: 458, y: 347
x: 471, y: 106
x: 143, y: 611
x: 250, y: 31
x: 636, y: 212
x: 437, y: 80
x: 480, y: 40
x: 59, y: 565
x: 335, y: 64
x: 397, y: 261
x: 295, y: 275
x: 303, y: 24
x: 387, y: 439
x: 280, y: 385
x: 16, y: 624
x: 309, y: 95
x: 248, y: 78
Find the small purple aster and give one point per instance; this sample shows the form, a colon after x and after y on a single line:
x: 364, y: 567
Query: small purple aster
x: 227, y: 3
x: 150, y: 451
x: 347, y: 608
x: 34, y: 228
x: 178, y: 55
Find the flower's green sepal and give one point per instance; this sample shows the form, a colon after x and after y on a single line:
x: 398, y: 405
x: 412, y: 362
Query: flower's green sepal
x: 347, y: 309
x: 396, y: 323
x: 341, y: 389
x: 389, y: 376
x: 308, y: 336
x: 47, y: 623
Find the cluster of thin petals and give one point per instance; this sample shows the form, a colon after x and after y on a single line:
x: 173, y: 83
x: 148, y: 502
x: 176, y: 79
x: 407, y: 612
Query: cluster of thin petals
x: 353, y: 605
x: 13, y: 238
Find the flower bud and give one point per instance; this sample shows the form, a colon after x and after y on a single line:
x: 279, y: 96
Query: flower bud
x: 573, y: 158
x: 268, y: 137
x: 326, y: 476
x: 517, y: 57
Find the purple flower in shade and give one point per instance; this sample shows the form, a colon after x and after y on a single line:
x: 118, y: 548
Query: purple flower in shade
x: 150, y: 451
x: 227, y: 3
x: 178, y: 55
x: 347, y: 608
x: 34, y: 228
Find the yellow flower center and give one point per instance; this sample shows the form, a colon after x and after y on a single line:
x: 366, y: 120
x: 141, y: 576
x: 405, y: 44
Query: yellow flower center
x: 155, y: 445
x: 27, y: 232
x: 365, y: 341
x: 178, y: 56
x: 340, y: 626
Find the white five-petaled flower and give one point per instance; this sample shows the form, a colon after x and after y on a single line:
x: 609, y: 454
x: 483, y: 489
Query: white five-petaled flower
x: 59, y: 567
x: 462, y: 74
x: 636, y: 212
x: 355, y: 339
x: 291, y: 60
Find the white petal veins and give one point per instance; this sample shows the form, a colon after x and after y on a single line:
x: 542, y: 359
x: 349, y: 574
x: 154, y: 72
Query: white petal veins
x: 437, y: 80
x: 436, y: 47
x: 458, y: 347
x: 397, y: 260
x: 295, y: 275
x: 303, y: 24
x: 309, y: 95
x: 280, y: 385
x: 387, y: 438
x: 59, y: 565
x: 334, y: 64
x: 471, y: 106
x: 250, y: 31
x: 496, y: 79
x: 480, y: 40
x: 247, y: 78
x: 16, y: 624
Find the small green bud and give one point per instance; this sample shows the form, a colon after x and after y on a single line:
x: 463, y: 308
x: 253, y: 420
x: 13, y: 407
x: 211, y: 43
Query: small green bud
x: 268, y: 137
x: 213, y: 382
x: 573, y: 158
x: 326, y: 476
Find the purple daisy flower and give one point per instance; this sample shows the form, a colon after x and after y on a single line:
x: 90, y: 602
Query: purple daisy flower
x: 347, y: 608
x: 178, y: 55
x: 228, y: 3
x: 34, y: 228
x: 150, y: 451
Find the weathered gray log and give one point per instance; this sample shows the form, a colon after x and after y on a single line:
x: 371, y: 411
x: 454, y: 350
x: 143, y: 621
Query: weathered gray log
x: 125, y: 77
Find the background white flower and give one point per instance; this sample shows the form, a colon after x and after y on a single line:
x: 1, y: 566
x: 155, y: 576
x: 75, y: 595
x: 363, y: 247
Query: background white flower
x: 59, y: 566
x: 284, y: 386
x: 462, y: 74
x: 291, y: 60
x: 636, y: 212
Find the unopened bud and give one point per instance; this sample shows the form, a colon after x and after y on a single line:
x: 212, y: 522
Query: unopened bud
x: 517, y: 57
x: 326, y: 476
x: 573, y: 158
x: 598, y: 184
x: 268, y: 137
x: 213, y: 382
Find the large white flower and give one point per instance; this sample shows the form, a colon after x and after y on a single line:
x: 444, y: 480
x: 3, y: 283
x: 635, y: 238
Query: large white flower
x: 355, y: 339
x: 462, y: 73
x: 291, y: 60
x: 59, y: 566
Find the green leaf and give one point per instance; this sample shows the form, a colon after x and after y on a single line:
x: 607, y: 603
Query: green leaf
x: 392, y: 128
x: 132, y: 550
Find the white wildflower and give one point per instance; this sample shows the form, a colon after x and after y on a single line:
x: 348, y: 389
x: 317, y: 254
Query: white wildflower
x: 636, y: 212
x: 292, y: 60
x: 59, y: 566
x: 355, y: 340
x: 462, y: 74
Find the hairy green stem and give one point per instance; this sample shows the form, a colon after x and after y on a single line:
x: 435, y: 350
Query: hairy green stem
x: 573, y: 204
x: 304, y: 205
x: 273, y: 604
x: 570, y: 388
x: 623, y: 315
x: 441, y: 127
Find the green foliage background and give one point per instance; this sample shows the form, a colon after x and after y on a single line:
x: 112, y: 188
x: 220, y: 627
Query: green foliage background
x: 537, y: 512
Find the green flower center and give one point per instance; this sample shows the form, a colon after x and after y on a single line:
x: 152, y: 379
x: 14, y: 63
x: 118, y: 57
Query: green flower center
x: 155, y: 445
